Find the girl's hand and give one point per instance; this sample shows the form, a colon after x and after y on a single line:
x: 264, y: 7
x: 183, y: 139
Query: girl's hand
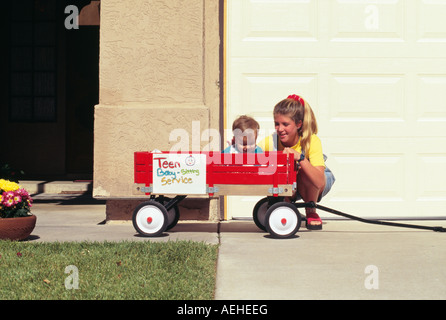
x: 292, y: 151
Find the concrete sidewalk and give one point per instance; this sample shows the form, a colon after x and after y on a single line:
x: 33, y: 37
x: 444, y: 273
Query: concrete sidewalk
x: 70, y: 221
x: 347, y: 260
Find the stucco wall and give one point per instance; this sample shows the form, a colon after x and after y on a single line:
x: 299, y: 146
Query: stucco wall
x: 151, y: 51
x: 159, y: 71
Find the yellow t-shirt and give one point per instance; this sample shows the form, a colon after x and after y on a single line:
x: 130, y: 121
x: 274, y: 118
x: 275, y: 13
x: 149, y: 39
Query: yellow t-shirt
x: 315, y: 155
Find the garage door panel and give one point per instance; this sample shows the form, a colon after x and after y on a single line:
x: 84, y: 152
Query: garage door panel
x: 431, y: 22
x: 407, y: 180
x: 386, y: 210
x: 277, y: 20
x: 367, y: 21
x: 368, y: 176
x: 255, y: 91
x: 431, y: 104
x: 367, y: 97
x: 430, y: 181
x: 256, y: 87
x: 258, y: 103
x: 370, y: 168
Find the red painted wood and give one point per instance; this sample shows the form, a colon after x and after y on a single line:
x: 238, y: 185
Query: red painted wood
x: 270, y: 168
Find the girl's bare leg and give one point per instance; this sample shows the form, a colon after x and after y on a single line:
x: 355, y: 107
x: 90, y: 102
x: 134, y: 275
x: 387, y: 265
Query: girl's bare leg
x: 309, y: 192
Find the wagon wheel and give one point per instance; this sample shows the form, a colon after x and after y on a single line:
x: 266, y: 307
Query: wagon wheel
x: 259, y: 211
x: 282, y: 220
x: 150, y: 219
x: 173, y: 215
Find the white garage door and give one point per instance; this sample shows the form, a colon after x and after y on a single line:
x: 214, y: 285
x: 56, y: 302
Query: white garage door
x: 375, y: 75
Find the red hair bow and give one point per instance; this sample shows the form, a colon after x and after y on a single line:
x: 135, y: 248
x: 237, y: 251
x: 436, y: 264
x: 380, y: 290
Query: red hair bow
x: 297, y: 98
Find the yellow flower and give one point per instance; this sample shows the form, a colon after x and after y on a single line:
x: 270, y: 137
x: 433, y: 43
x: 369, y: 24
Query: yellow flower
x: 7, y: 185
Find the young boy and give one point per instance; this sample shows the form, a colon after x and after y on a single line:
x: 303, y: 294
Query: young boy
x: 245, y: 131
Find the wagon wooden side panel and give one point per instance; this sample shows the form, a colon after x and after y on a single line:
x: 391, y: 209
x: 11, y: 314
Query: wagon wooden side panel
x: 270, y: 174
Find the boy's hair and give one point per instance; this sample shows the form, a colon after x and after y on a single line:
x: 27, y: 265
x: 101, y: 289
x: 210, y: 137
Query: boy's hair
x: 245, y: 122
x: 298, y: 111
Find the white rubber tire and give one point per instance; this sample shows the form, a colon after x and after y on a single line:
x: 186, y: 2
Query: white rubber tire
x: 150, y: 219
x: 282, y: 220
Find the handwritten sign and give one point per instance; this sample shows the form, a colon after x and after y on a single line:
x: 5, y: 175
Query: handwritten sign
x: 179, y: 174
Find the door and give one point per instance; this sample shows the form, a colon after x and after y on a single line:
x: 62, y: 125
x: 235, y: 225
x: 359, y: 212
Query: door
x: 374, y: 73
x: 82, y: 92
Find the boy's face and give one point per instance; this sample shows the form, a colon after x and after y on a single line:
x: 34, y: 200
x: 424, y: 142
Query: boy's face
x: 246, y: 142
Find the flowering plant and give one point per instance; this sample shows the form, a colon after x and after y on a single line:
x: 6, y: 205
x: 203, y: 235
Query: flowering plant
x: 14, y: 200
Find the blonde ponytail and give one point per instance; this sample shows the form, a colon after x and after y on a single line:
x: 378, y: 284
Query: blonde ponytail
x: 309, y: 127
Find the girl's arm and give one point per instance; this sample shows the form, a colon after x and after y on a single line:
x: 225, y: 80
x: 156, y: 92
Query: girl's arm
x: 316, y: 175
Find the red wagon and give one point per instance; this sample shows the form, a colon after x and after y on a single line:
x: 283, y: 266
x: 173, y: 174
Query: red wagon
x: 213, y: 174
x: 168, y: 178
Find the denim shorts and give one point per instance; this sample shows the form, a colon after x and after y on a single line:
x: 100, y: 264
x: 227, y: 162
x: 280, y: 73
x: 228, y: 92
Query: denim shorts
x: 329, y: 181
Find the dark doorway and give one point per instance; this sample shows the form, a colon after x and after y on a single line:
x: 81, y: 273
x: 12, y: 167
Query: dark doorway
x: 82, y: 94
x: 52, y: 85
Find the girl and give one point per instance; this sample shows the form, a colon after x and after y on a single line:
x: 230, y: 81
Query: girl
x: 296, y: 130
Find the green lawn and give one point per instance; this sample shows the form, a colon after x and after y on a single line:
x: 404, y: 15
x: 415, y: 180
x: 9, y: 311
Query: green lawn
x: 107, y: 270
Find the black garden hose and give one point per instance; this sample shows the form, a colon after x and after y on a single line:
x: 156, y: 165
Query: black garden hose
x: 380, y: 222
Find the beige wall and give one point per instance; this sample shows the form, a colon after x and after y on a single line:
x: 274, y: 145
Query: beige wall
x: 159, y: 71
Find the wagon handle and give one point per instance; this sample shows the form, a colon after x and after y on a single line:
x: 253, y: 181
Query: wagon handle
x: 380, y: 222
